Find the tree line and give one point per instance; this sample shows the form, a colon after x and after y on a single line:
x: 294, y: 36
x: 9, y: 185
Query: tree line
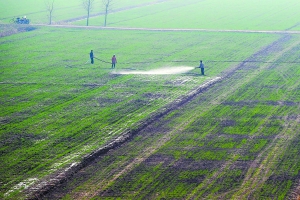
x: 88, y: 5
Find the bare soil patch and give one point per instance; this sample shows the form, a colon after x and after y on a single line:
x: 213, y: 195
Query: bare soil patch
x: 7, y: 30
x: 190, y: 164
x: 256, y: 102
x: 226, y: 123
x: 157, y: 159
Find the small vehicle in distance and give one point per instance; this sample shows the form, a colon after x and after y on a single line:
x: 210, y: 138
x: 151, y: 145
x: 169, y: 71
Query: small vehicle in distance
x: 20, y: 20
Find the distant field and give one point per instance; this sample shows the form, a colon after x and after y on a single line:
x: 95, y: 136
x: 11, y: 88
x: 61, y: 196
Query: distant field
x: 212, y: 14
x: 232, y: 14
x: 63, y: 9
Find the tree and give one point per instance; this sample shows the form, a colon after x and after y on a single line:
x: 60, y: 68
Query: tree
x: 49, y: 4
x: 107, y: 4
x: 88, y: 6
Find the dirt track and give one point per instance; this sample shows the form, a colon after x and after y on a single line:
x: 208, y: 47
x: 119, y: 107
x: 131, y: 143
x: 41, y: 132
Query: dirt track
x: 172, y: 30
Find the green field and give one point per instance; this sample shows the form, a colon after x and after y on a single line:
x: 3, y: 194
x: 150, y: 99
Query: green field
x: 236, y: 139
x: 63, y: 10
x: 189, y: 14
x: 195, y: 14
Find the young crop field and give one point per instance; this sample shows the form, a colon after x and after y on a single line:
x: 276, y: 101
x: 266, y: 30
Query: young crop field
x: 63, y: 11
x: 212, y: 14
x: 56, y: 109
x: 189, y: 14
x: 237, y: 140
x: 153, y: 127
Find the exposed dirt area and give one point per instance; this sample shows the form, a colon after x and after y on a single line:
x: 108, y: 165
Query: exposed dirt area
x: 256, y: 102
x: 7, y: 30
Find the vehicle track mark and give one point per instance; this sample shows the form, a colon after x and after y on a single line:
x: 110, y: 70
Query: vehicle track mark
x: 275, y: 46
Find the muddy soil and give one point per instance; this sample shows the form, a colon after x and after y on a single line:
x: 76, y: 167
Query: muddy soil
x: 7, y: 30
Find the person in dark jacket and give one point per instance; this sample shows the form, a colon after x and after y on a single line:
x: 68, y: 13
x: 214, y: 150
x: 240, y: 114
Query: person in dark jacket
x: 92, y: 56
x: 201, y: 66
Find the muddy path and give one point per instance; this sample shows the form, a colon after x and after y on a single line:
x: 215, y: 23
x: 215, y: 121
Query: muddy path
x: 172, y: 29
x: 99, y: 170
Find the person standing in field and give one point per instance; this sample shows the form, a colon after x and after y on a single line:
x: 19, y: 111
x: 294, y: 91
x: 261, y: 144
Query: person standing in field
x: 92, y: 56
x: 113, y: 62
x: 201, y: 67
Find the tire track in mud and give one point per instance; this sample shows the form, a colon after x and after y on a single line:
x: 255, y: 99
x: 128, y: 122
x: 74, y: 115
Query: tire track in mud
x: 274, y: 47
x: 260, y: 169
x: 264, y: 163
x: 295, y: 194
x: 38, y: 191
x: 266, y: 159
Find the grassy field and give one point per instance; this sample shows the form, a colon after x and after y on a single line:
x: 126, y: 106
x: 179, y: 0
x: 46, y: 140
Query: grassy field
x: 47, y: 89
x: 63, y: 9
x: 195, y: 14
x: 238, y: 138
x: 190, y: 14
